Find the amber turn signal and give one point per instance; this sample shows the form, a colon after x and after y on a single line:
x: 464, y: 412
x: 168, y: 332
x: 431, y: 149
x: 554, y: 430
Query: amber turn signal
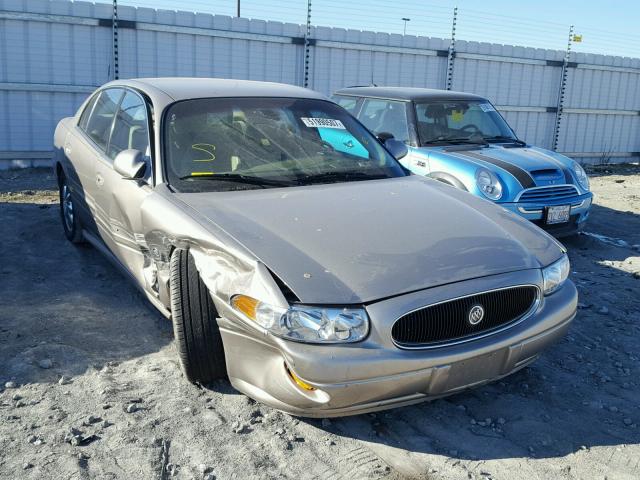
x: 302, y: 384
x: 246, y: 305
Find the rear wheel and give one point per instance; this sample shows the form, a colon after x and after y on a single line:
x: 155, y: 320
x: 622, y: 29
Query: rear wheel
x: 68, y: 214
x: 195, y: 327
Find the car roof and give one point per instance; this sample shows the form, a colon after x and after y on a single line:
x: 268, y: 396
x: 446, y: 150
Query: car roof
x: 182, y: 88
x: 407, y: 93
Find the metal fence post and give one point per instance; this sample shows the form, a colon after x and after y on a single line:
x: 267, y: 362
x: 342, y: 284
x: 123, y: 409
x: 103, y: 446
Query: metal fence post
x: 307, y: 45
x: 452, y: 50
x: 114, y: 40
x: 562, y: 90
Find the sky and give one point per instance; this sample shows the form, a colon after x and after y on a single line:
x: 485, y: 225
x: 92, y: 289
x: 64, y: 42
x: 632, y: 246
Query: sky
x: 606, y: 27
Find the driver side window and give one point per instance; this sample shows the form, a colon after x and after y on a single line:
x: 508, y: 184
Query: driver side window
x: 385, y: 116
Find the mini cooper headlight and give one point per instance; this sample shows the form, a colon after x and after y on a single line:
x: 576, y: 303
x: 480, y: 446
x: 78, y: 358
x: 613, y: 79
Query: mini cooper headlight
x: 581, y: 175
x: 488, y: 184
x: 306, y: 323
x: 555, y: 275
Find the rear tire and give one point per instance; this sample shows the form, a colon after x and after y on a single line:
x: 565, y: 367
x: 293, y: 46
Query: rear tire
x: 195, y: 327
x: 68, y: 214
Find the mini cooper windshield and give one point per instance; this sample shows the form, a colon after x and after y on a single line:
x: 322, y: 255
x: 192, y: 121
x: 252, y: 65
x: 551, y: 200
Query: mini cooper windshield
x: 450, y: 122
x: 240, y: 143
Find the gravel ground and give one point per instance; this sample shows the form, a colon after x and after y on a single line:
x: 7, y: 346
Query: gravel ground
x: 91, y: 387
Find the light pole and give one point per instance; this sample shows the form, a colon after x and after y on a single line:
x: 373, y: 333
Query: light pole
x: 405, y: 20
x: 238, y: 8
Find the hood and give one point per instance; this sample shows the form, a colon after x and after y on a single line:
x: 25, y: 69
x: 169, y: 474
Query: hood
x: 347, y: 243
x: 532, y: 167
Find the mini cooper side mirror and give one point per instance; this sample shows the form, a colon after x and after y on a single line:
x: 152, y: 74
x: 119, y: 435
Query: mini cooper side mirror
x: 129, y: 164
x: 397, y: 148
x: 384, y: 136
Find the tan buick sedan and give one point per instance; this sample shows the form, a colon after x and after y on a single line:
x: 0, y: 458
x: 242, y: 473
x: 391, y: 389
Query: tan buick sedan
x: 295, y: 255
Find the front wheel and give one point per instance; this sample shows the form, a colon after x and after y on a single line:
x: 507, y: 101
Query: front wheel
x: 68, y: 214
x: 195, y: 325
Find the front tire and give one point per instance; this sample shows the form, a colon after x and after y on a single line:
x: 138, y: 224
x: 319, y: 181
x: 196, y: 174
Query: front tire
x: 68, y: 215
x: 195, y: 327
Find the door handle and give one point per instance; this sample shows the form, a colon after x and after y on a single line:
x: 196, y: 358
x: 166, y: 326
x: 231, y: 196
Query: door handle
x: 99, y: 180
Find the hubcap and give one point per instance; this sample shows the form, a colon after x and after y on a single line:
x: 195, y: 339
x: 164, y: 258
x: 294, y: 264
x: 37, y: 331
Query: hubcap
x: 67, y: 207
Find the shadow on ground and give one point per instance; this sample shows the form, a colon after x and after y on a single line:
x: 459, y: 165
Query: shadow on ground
x: 68, y: 305
x: 64, y: 307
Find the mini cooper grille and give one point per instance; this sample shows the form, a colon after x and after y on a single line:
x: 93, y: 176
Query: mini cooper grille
x: 546, y: 194
x: 449, y: 321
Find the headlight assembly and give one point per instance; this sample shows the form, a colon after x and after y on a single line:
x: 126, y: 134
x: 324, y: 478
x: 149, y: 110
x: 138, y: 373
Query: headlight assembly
x: 489, y: 184
x: 555, y: 275
x: 581, y: 175
x: 305, y: 323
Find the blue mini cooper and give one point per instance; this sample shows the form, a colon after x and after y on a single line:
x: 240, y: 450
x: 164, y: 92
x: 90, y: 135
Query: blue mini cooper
x: 461, y: 139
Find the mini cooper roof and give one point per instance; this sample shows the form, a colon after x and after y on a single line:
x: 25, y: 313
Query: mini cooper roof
x: 183, y: 88
x: 407, y: 94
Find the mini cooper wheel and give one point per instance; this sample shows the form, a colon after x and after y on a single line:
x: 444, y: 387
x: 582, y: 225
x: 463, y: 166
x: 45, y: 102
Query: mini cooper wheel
x: 68, y: 215
x: 195, y: 325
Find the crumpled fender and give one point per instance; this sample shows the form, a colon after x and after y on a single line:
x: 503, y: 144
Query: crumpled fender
x: 225, y: 266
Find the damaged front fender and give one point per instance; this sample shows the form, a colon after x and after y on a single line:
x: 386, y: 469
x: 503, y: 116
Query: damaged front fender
x: 225, y: 266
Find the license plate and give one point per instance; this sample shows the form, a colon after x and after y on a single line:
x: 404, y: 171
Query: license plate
x: 558, y: 214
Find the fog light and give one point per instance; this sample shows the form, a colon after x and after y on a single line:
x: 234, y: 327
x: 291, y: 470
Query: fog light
x: 298, y: 381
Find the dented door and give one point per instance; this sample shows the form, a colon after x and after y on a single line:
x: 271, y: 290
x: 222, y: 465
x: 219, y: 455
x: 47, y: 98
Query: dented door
x: 119, y: 199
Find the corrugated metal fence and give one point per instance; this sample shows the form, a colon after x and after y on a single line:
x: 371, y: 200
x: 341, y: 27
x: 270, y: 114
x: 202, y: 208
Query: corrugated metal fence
x: 53, y: 53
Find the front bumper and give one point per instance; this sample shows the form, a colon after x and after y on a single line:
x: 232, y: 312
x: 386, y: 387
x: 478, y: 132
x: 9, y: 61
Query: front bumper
x: 580, y: 206
x: 375, y: 374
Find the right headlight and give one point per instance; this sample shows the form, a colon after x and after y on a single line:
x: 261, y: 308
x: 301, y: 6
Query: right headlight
x: 306, y: 323
x: 555, y: 275
x: 489, y: 184
x: 581, y: 175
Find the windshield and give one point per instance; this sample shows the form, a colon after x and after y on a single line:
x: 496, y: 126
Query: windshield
x: 216, y: 144
x: 442, y: 122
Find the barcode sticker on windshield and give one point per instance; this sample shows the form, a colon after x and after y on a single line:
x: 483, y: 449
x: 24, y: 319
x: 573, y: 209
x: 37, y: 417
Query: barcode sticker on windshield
x: 487, y: 107
x: 322, y: 122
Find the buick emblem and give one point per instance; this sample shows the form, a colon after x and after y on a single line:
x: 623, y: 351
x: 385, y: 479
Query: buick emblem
x: 476, y: 314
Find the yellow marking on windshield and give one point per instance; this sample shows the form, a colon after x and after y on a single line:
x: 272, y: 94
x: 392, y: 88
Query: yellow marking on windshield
x: 208, y: 149
x: 201, y: 174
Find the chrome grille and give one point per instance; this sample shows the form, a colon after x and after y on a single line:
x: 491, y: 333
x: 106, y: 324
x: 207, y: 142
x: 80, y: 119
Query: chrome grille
x: 448, y: 322
x: 548, y: 194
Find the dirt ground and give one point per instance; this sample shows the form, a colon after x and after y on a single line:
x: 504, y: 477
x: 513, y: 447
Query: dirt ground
x: 91, y: 388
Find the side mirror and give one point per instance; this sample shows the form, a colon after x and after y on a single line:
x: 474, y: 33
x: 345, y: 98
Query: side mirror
x: 129, y: 164
x: 384, y: 136
x: 397, y: 148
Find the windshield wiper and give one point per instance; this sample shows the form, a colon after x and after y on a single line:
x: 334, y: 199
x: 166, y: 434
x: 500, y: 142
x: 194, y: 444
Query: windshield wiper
x: 434, y: 141
x: 505, y: 139
x: 240, y: 178
x: 347, y: 176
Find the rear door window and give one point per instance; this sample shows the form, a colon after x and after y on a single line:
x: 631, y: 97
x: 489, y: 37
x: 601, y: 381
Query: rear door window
x: 385, y: 116
x: 99, y: 124
x: 84, y: 117
x: 130, y: 130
